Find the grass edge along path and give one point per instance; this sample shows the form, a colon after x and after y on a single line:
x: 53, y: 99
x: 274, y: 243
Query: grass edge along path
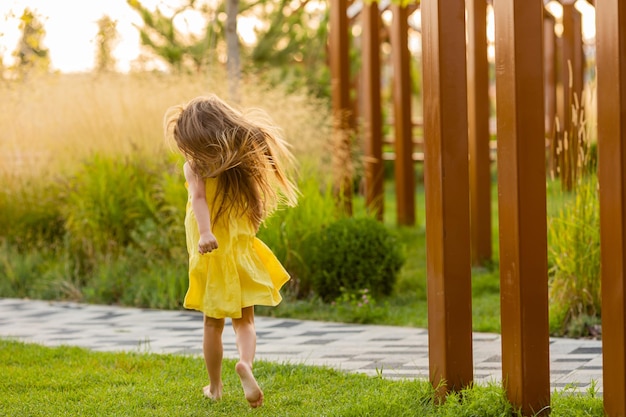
x: 44, y: 381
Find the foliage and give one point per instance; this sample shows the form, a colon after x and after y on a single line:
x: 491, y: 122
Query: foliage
x: 573, y: 150
x: 106, y: 38
x: 31, y: 55
x: 105, y: 201
x: 30, y: 211
x: 288, y: 230
x: 574, y: 253
x: 289, y: 49
x: 354, y: 254
x: 359, y: 306
x: 292, y: 47
x: 181, y: 52
x: 76, y: 381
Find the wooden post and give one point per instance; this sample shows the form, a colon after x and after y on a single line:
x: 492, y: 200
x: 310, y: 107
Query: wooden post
x: 522, y: 203
x: 372, y: 120
x: 341, y: 107
x: 611, y: 67
x: 446, y: 177
x: 403, y: 123
x: 478, y: 122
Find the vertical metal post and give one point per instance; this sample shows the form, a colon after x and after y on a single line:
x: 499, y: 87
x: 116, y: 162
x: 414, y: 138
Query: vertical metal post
x: 572, y: 80
x: 611, y: 93
x: 372, y: 121
x: 478, y: 123
x: 403, y: 123
x: 549, y: 79
x: 341, y: 108
x: 446, y: 177
x: 549, y: 66
x: 522, y: 203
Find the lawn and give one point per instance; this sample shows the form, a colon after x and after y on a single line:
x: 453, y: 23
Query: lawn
x: 41, y: 381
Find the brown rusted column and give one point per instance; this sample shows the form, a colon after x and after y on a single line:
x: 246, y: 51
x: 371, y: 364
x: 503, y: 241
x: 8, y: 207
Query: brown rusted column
x: 372, y: 129
x: 478, y: 122
x: 446, y: 177
x: 611, y: 93
x: 341, y: 108
x: 572, y: 80
x: 403, y: 123
x: 573, y: 46
x: 549, y: 79
x: 522, y: 203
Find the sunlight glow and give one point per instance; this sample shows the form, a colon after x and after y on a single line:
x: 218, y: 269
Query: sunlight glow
x: 71, y: 27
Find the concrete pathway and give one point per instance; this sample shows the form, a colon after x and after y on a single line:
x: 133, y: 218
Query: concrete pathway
x: 396, y: 352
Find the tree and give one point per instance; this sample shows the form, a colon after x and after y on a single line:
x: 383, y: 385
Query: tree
x: 30, y: 54
x: 106, y: 39
x: 182, y: 52
x: 290, y: 47
x: 293, y: 49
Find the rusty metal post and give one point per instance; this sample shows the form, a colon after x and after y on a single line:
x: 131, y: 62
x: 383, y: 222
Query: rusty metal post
x: 403, y: 123
x: 522, y: 203
x: 478, y: 123
x: 446, y: 175
x: 341, y: 107
x: 372, y: 119
x: 611, y: 93
x: 549, y: 79
x: 572, y: 81
x: 573, y: 47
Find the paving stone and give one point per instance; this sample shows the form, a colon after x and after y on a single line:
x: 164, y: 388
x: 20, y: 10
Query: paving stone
x: 393, y: 352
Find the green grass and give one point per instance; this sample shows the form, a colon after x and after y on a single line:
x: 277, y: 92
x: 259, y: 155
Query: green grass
x: 41, y: 381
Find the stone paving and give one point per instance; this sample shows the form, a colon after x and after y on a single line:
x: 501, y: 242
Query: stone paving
x: 394, y: 352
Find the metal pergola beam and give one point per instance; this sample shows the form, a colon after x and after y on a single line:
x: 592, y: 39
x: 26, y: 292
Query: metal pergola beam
x: 446, y: 177
x: 403, y: 122
x: 372, y: 119
x: 522, y: 204
x: 611, y: 94
x: 478, y: 133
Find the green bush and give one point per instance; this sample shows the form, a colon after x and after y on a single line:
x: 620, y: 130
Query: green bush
x: 352, y: 254
x: 30, y: 210
x: 105, y: 200
x: 287, y: 231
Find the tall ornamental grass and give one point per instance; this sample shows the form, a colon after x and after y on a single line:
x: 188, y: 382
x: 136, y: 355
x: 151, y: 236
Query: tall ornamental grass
x: 93, y: 198
x: 574, y: 253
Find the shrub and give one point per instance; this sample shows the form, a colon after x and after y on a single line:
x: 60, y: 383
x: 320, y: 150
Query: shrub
x: 352, y: 254
x: 30, y: 211
x: 288, y: 230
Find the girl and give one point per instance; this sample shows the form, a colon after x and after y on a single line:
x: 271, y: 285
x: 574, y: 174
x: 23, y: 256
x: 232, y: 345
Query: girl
x: 236, y: 174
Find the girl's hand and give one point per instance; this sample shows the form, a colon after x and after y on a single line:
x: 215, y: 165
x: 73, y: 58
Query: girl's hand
x: 207, y: 243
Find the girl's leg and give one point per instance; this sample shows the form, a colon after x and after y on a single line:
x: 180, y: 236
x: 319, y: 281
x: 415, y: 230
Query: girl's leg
x: 245, y: 335
x: 213, y: 354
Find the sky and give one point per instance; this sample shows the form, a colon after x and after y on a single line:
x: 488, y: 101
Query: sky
x: 71, y: 28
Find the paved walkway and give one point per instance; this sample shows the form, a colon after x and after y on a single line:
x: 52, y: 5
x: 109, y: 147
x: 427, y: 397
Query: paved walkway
x: 397, y: 352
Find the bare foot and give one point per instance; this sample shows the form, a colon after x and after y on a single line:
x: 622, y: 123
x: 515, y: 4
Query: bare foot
x: 251, y: 389
x: 213, y: 394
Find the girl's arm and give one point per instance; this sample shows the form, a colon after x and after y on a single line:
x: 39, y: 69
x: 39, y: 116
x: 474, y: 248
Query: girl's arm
x: 207, y: 242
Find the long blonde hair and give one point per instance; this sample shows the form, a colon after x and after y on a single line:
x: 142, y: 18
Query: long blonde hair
x: 244, y: 151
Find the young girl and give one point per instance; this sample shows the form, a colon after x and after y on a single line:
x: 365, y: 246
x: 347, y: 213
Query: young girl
x: 236, y: 173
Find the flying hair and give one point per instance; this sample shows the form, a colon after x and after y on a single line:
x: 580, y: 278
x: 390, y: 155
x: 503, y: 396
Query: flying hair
x: 245, y: 151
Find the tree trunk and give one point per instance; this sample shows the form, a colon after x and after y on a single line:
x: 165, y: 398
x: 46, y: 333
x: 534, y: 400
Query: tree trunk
x: 232, y: 43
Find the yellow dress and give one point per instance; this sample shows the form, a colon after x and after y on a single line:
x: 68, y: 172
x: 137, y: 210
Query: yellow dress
x: 241, y: 272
